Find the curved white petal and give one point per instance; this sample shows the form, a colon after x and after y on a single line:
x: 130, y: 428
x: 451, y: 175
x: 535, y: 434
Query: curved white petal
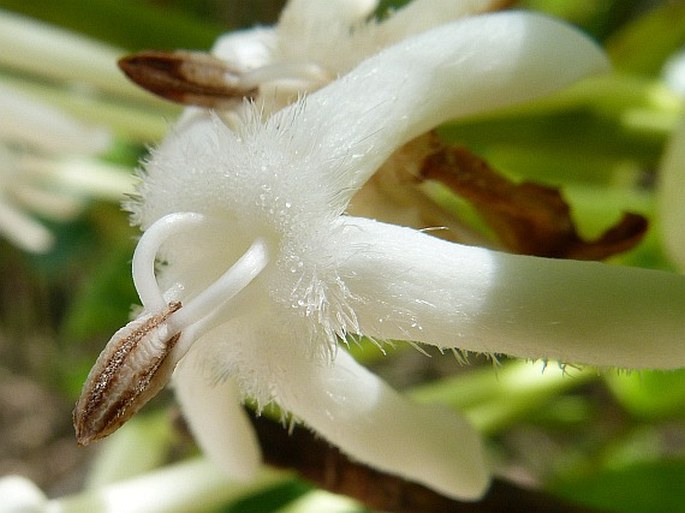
x: 411, y: 286
x: 257, y: 47
x: 470, y: 66
x: 355, y: 410
x: 308, y: 159
x: 672, y: 197
x: 19, y: 494
x: 217, y: 420
x: 272, y: 358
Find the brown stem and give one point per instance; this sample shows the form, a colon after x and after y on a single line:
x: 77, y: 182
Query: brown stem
x: 326, y: 467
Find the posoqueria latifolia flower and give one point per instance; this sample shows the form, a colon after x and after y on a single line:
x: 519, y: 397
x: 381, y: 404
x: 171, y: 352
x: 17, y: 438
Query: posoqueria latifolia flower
x: 261, y: 273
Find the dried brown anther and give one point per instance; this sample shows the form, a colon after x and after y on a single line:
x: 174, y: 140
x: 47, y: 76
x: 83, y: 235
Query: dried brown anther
x: 189, y: 78
x: 131, y: 370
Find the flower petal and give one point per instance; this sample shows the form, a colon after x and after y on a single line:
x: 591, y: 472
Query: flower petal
x: 410, y: 286
x: 217, y: 419
x: 273, y: 359
x: 369, y: 421
x: 470, y: 66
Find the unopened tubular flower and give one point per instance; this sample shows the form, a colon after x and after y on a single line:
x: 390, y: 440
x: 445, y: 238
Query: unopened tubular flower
x: 34, y: 137
x: 264, y: 274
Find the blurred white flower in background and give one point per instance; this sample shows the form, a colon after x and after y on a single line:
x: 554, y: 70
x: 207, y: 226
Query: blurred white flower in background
x: 62, y: 103
x: 39, y: 148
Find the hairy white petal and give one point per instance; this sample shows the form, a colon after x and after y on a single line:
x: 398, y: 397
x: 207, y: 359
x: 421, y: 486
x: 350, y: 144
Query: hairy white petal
x: 272, y: 360
x: 467, y: 67
x: 412, y: 286
x: 286, y: 180
x: 307, y: 160
x: 672, y: 197
x: 217, y: 420
x: 352, y: 408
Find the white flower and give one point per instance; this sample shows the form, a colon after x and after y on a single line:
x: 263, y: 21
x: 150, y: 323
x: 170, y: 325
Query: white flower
x: 315, y: 42
x: 312, y: 44
x: 264, y: 274
x: 35, y: 138
x: 50, y: 85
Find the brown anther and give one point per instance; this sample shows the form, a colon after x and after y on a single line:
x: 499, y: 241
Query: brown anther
x: 189, y: 78
x: 131, y: 370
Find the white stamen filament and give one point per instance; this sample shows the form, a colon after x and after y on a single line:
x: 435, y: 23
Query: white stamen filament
x: 227, y: 286
x: 143, y: 265
x: 216, y: 295
x: 305, y: 71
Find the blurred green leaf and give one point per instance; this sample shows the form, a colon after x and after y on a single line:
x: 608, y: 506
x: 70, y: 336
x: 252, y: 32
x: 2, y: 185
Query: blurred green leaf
x: 591, y: 15
x: 572, y: 135
x: 132, y: 25
x: 650, y: 394
x: 104, y: 300
x: 270, y: 500
x: 643, y: 45
x: 641, y: 488
x: 99, y: 299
